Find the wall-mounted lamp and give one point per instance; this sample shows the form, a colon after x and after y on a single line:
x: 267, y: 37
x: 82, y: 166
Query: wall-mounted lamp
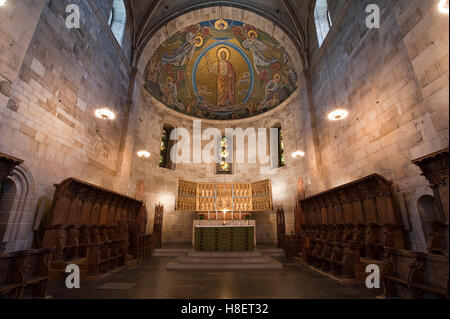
x: 443, y: 6
x: 143, y: 154
x: 105, y: 113
x: 337, y: 115
x: 298, y: 154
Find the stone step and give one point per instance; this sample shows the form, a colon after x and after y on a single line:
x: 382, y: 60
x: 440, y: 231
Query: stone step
x: 167, y: 254
x: 224, y: 254
x: 274, y: 265
x: 219, y: 260
x: 223, y: 260
x: 274, y: 252
x: 170, y: 252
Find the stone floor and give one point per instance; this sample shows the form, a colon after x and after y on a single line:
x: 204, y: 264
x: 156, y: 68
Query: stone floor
x: 151, y: 280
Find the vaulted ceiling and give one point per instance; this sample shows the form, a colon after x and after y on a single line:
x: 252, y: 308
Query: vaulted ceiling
x: 150, y: 15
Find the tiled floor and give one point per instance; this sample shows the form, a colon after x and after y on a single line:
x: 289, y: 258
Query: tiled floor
x: 151, y: 280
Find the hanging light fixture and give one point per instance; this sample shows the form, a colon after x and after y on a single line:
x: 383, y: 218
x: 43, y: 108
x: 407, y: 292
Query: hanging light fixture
x: 298, y: 154
x: 337, y: 115
x: 105, y: 113
x: 143, y: 154
x: 443, y: 6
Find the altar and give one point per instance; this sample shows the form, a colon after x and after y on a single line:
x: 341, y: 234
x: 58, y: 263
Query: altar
x: 224, y: 213
x: 215, y: 235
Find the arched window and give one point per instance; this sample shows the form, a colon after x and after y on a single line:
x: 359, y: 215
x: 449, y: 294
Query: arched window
x: 323, y: 20
x: 275, y: 145
x: 118, y: 19
x: 166, y: 145
x: 281, y: 158
x: 225, y: 165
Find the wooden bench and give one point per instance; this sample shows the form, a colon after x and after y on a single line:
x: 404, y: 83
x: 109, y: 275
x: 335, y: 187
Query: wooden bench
x: 93, y: 227
x: 414, y: 275
x: 24, y: 273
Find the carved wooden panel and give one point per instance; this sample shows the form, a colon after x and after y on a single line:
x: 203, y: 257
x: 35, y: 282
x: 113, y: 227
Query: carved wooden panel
x: 366, y: 201
x: 262, y: 196
x: 238, y: 197
x: 187, y: 195
x: 344, y: 228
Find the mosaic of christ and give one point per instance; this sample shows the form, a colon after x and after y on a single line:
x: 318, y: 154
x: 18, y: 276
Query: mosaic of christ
x: 221, y: 70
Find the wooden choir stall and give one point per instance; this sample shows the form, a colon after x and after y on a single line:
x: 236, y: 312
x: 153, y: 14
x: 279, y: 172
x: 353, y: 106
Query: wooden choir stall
x: 342, y: 230
x: 97, y: 229
x: 418, y: 275
x: 22, y: 273
x: 345, y: 228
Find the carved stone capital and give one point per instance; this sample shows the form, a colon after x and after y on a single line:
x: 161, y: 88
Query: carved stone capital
x: 434, y: 167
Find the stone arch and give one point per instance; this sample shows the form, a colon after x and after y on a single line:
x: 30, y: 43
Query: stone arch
x: 414, y: 223
x: 428, y: 214
x: 17, y: 207
x: 426, y: 206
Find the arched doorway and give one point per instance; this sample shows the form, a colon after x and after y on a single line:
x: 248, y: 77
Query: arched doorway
x: 17, y: 210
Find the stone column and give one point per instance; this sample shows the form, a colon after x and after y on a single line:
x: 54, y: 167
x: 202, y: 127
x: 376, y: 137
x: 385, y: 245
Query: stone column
x: 126, y: 155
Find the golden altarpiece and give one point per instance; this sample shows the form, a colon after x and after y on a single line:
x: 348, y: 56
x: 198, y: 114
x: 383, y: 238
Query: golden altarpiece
x: 224, y: 212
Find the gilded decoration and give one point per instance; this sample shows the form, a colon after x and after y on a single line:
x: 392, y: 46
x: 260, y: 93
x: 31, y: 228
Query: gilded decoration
x: 222, y: 70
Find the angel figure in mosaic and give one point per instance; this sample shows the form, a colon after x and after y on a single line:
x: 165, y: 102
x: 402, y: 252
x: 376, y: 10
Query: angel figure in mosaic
x: 257, y: 48
x: 183, y: 54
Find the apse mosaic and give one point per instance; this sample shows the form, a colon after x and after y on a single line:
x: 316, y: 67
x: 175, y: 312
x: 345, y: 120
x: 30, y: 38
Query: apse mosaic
x: 222, y: 70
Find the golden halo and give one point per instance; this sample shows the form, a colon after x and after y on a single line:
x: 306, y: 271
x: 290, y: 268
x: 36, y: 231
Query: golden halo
x: 277, y: 76
x: 221, y: 24
x: 169, y: 79
x: 252, y: 32
x: 223, y: 49
x: 200, y: 43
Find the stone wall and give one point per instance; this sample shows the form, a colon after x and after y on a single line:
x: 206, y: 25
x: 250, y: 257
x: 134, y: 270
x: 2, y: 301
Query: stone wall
x: 18, y: 21
x: 394, y: 83
x: 161, y: 185
x: 65, y: 76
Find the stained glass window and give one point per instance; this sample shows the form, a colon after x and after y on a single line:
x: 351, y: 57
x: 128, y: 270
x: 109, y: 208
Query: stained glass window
x: 323, y: 20
x: 281, y: 157
x: 225, y: 165
x: 117, y: 19
x: 164, y: 158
